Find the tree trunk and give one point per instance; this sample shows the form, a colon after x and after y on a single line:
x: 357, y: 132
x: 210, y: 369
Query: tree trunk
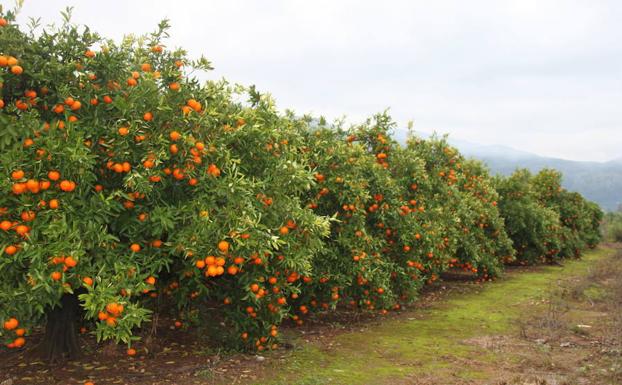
x: 61, y: 332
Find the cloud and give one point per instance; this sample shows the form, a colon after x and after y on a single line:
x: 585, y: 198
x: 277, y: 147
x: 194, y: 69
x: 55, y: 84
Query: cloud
x: 538, y: 75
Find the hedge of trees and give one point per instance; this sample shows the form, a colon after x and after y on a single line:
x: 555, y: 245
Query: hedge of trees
x: 127, y: 184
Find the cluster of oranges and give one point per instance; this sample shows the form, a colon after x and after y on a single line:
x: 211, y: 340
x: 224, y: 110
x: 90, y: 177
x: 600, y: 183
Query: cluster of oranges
x: 111, y: 313
x: 12, y: 63
x: 12, y: 324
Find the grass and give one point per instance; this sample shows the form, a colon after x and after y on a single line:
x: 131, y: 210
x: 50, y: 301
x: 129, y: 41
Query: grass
x: 436, y: 343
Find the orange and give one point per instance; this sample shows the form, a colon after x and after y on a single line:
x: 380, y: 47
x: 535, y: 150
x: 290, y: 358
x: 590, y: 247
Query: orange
x: 32, y: 186
x: 135, y: 247
x: 56, y: 276
x: 11, y: 324
x: 131, y: 352
x: 54, y: 175
x: 223, y: 246
x: 28, y: 216
x: 19, y: 342
x: 19, y: 188
x: 174, y: 135
x: 17, y: 174
x: 148, y: 116
x: 22, y: 229
x: 10, y: 249
x: 76, y: 105
x: 70, y: 262
x: 54, y: 204
x: 67, y: 186
x: 17, y: 70
x: 88, y: 281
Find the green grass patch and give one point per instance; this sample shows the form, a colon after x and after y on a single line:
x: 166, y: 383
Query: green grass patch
x: 432, y: 343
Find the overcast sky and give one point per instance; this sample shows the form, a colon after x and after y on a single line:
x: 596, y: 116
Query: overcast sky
x: 538, y: 75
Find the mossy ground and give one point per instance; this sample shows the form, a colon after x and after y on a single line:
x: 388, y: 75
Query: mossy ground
x: 454, y: 341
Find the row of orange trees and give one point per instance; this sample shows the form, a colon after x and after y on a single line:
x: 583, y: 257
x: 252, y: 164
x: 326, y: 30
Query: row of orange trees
x: 126, y: 184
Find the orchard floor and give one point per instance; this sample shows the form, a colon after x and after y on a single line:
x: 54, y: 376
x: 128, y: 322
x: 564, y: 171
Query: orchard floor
x: 548, y: 325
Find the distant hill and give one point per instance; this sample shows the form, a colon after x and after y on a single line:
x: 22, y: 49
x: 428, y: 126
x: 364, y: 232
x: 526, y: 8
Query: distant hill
x: 600, y: 182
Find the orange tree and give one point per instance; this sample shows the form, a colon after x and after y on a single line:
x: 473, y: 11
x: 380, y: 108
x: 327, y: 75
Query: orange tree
x: 579, y: 219
x: 461, y: 192
x: 124, y: 181
x: 129, y: 187
x: 535, y: 230
x: 360, y: 195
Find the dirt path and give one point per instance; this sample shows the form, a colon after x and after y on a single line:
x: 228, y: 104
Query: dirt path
x: 537, y: 326
x: 555, y: 325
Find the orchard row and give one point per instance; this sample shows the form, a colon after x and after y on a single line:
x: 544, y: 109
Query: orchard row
x: 127, y: 183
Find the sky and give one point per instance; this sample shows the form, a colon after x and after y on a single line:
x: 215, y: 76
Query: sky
x: 543, y: 76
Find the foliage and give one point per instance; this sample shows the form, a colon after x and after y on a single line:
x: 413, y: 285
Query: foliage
x: 129, y: 184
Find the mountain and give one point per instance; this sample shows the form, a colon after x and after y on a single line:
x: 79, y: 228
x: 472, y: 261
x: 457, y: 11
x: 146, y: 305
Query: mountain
x: 600, y: 182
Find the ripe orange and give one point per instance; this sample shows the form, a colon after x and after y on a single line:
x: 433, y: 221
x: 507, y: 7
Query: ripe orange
x: 54, y: 175
x: 54, y: 204
x: 19, y: 342
x: 131, y: 352
x: 17, y: 70
x: 70, y: 262
x: 148, y: 116
x: 32, y: 186
x: 56, y: 276
x: 88, y: 281
x: 10, y: 249
x: 223, y: 246
x: 22, y: 229
x: 67, y: 185
x: 28, y: 216
x: 135, y: 247
x: 17, y: 174
x: 11, y: 324
x: 175, y: 136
